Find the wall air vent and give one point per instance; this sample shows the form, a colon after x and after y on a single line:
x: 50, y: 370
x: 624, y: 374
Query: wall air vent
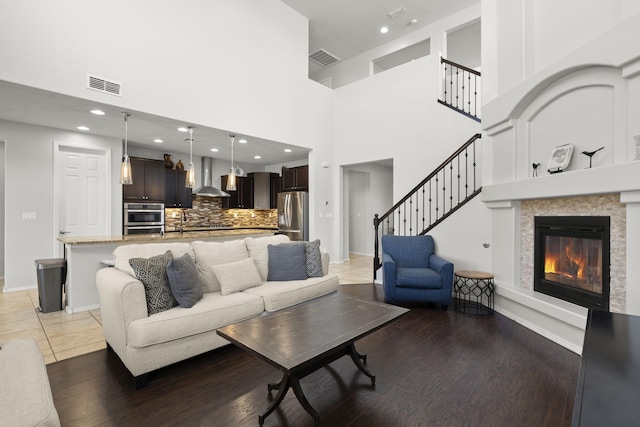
x: 103, y: 85
x: 323, y: 58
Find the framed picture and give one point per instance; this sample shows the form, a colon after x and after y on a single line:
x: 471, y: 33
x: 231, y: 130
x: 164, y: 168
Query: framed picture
x: 560, y: 158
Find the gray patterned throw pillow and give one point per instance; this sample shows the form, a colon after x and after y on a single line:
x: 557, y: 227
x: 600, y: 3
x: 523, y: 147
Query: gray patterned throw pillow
x: 152, y: 272
x: 313, y: 258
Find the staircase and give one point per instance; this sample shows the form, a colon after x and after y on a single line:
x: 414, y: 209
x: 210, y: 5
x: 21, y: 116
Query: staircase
x: 452, y: 184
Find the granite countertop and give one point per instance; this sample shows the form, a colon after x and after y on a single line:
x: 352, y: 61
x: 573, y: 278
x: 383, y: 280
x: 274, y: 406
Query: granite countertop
x: 168, y: 236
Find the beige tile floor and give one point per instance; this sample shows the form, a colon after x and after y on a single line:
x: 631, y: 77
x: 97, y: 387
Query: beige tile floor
x: 61, y: 335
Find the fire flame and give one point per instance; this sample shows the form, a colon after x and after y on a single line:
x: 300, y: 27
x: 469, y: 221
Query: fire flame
x: 552, y: 263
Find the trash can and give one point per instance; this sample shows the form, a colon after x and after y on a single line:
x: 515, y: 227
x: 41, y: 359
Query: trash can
x: 52, y: 274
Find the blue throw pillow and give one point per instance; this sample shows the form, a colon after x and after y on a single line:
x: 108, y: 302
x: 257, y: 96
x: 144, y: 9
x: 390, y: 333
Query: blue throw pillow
x: 287, y: 262
x: 184, y: 280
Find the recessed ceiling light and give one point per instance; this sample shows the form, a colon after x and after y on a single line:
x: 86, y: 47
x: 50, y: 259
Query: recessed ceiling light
x: 82, y: 128
x: 242, y: 141
x: 215, y: 150
x: 287, y: 150
x: 257, y: 157
x: 183, y: 129
x: 158, y: 140
x: 98, y: 112
x: 384, y: 30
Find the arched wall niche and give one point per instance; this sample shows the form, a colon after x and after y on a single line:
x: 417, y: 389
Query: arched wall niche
x: 586, y: 108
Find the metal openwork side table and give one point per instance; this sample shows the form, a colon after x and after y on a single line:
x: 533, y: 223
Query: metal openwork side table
x: 473, y: 293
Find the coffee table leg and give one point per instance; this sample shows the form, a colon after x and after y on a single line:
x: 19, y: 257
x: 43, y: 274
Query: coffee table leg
x: 356, y: 357
x: 282, y: 387
x: 295, y: 384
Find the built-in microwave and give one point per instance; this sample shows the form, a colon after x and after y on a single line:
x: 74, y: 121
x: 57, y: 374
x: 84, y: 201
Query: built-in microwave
x: 143, y: 218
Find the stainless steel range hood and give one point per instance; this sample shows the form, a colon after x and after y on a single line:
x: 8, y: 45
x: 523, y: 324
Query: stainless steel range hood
x: 207, y: 189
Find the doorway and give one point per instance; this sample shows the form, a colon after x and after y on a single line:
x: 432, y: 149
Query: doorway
x: 367, y: 190
x: 82, y: 192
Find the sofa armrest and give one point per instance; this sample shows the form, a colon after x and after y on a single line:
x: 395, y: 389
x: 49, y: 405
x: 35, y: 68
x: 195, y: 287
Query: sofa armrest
x: 442, y: 267
x: 122, y: 300
x: 325, y: 263
x: 389, y: 272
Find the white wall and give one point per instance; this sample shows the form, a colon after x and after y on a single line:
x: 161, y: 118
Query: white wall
x: 199, y: 66
x: 394, y: 115
x: 520, y: 38
x: 359, y: 67
x: 2, y: 204
x: 29, y: 188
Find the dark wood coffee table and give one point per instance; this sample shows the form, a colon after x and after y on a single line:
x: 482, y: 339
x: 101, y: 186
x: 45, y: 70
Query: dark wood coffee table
x: 306, y: 337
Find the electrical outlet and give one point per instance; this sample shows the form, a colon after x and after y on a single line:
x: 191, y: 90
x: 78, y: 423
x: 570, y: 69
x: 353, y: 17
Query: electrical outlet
x: 29, y: 216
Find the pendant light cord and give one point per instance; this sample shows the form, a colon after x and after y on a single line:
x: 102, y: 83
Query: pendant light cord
x: 233, y: 137
x: 126, y: 133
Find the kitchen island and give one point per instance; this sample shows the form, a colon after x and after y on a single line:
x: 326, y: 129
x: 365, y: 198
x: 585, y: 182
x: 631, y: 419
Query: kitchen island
x: 85, y: 255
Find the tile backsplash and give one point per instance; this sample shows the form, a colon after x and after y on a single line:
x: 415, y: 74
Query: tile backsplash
x: 208, y: 212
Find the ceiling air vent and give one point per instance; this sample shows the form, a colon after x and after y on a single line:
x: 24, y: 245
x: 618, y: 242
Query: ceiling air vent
x: 323, y: 58
x: 103, y: 85
x: 396, y: 12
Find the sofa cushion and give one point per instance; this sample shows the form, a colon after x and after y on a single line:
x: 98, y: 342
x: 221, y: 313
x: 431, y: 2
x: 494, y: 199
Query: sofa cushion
x: 122, y: 254
x: 184, y: 280
x: 279, y: 295
x: 208, y: 254
x: 286, y: 262
x: 258, y: 251
x: 420, y: 278
x: 237, y: 276
x: 152, y: 272
x: 313, y: 258
x: 213, y: 311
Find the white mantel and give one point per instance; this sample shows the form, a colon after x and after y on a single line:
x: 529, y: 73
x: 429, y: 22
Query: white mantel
x: 622, y: 178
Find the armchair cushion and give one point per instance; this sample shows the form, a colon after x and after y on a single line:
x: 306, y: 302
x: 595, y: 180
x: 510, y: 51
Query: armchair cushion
x: 419, y: 278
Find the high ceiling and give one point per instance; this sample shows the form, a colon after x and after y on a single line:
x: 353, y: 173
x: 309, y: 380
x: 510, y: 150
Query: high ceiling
x: 346, y: 28
x: 342, y: 27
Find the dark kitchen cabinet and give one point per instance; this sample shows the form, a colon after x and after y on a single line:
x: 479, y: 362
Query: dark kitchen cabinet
x: 176, y: 195
x: 242, y: 197
x: 148, y: 181
x: 276, y: 187
x: 295, y: 179
x: 266, y: 186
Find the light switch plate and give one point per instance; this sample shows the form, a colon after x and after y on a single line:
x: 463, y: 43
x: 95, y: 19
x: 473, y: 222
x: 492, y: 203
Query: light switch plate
x: 29, y: 216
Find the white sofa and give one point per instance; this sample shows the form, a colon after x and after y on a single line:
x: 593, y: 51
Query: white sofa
x: 145, y: 343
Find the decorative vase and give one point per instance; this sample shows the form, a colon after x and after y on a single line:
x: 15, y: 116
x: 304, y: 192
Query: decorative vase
x: 179, y: 166
x: 167, y: 161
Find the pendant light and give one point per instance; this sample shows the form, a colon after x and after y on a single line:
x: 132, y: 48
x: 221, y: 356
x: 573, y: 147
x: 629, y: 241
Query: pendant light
x: 125, y: 169
x: 191, y: 172
x: 231, y: 178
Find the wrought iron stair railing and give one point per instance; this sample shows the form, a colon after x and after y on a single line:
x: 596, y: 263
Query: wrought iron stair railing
x: 449, y: 187
x: 460, y: 89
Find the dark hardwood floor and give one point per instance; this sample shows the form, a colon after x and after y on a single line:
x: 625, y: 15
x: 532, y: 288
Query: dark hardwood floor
x: 432, y: 368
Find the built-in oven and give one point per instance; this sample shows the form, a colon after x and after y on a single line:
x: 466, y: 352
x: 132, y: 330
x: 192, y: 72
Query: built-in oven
x: 143, y: 218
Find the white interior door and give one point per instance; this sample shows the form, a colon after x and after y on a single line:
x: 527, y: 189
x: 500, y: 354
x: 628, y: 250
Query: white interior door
x: 83, y: 207
x: 359, y: 218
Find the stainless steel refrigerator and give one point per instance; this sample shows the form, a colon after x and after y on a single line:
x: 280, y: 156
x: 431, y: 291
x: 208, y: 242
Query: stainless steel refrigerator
x: 293, y: 214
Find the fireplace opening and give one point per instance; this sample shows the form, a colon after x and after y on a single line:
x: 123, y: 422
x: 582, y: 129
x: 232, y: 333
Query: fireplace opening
x: 571, y: 259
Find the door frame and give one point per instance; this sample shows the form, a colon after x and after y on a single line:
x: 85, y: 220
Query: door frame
x: 58, y: 146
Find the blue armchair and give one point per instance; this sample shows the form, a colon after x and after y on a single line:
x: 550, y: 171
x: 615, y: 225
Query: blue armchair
x: 413, y: 272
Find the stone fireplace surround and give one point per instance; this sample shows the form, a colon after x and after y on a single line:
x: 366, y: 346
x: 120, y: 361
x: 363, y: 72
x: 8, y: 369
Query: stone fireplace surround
x: 590, y: 98
x: 601, y: 205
